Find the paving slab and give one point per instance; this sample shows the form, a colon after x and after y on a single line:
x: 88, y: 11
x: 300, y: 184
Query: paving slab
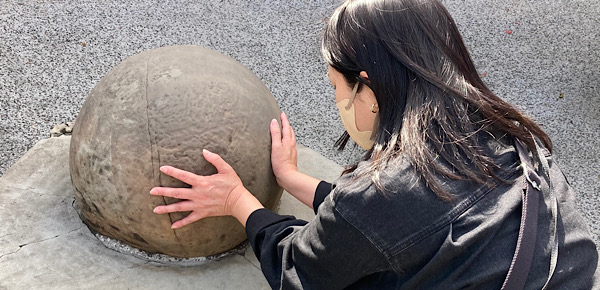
x: 44, y: 244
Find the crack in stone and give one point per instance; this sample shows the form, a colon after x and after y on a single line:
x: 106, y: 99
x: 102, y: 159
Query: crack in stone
x: 33, y: 190
x: 21, y: 246
x: 11, y: 253
x: 243, y: 254
x: 153, y: 148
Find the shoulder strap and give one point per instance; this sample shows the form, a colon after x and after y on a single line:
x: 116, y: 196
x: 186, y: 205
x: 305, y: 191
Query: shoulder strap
x: 521, y: 262
x: 552, y: 203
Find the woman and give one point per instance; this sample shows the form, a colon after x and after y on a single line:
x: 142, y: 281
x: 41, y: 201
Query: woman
x: 437, y: 199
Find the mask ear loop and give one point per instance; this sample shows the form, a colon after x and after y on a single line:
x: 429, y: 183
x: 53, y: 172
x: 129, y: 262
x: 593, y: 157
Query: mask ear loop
x: 354, y: 90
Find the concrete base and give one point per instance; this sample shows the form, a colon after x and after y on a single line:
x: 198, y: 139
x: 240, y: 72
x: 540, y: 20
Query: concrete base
x: 44, y: 244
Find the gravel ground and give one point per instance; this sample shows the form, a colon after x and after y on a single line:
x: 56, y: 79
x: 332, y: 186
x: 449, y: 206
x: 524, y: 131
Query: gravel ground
x: 542, y: 56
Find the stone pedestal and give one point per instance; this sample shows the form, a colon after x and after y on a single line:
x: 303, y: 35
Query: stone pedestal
x: 44, y: 244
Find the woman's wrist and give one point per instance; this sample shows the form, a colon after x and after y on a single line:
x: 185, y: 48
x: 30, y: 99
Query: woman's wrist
x: 245, y: 205
x: 299, y: 185
x: 286, y: 179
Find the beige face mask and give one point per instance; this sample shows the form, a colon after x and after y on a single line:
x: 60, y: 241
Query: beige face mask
x: 364, y: 139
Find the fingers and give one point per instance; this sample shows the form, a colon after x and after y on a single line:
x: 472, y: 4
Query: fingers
x: 288, y: 132
x: 293, y: 135
x: 285, y: 128
x: 185, y: 205
x: 217, y: 161
x: 179, y: 193
x: 185, y: 176
x: 275, y: 134
x: 192, y: 217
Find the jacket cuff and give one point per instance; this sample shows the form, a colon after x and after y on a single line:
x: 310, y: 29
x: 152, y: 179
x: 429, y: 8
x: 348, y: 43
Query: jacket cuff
x: 260, y: 219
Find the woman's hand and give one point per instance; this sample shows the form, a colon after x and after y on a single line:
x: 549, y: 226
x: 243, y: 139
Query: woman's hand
x: 216, y: 195
x: 284, y: 157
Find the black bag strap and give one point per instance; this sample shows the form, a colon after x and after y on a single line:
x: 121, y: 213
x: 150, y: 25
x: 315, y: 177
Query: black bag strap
x: 552, y: 202
x: 523, y: 256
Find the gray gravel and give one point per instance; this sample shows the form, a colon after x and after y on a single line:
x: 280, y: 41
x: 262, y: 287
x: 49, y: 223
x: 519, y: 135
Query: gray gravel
x: 543, y: 56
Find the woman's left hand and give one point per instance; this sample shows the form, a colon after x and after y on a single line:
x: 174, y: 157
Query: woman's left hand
x: 215, y: 195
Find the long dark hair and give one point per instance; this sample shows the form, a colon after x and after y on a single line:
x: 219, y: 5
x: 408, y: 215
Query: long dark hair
x: 432, y: 102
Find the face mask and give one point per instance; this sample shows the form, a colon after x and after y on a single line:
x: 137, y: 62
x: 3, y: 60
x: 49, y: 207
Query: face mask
x: 364, y: 139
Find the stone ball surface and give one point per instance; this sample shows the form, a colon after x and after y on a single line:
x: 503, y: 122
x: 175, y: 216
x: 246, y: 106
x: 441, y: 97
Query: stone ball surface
x: 162, y: 107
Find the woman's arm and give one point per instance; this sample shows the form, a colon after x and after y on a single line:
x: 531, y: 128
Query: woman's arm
x: 300, y: 186
x: 326, y: 253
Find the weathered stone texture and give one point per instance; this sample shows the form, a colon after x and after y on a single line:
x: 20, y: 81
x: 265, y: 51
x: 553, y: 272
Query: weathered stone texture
x: 162, y: 107
x: 62, y: 129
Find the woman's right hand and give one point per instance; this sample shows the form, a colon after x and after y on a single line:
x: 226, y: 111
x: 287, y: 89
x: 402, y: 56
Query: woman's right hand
x: 284, y: 157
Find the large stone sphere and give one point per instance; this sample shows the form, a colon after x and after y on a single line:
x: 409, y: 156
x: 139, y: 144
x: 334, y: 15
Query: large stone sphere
x: 162, y: 107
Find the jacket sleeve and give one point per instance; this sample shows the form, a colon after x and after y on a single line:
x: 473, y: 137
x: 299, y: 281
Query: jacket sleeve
x: 326, y: 253
x: 322, y: 191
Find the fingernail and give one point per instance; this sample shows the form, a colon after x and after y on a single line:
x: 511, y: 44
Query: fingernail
x: 152, y: 192
x: 155, y: 210
x: 206, y: 152
x: 273, y: 122
x: 163, y: 169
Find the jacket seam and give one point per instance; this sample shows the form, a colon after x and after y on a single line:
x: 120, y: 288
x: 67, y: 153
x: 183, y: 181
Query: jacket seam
x: 387, y: 260
x: 450, y: 217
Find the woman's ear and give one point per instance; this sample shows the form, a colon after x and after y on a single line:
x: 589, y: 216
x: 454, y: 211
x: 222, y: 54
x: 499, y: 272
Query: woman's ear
x: 364, y: 75
x: 368, y: 95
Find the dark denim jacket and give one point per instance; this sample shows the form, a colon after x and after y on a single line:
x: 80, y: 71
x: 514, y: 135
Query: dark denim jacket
x: 408, y: 238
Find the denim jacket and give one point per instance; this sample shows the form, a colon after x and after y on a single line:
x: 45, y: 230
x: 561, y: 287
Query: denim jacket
x: 408, y: 238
